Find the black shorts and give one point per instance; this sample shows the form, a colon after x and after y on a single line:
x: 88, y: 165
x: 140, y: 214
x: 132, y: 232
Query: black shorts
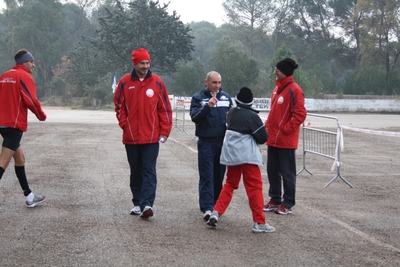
x: 11, y: 138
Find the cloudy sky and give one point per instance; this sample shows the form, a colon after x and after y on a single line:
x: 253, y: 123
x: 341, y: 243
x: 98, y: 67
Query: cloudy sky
x: 198, y: 10
x: 191, y: 10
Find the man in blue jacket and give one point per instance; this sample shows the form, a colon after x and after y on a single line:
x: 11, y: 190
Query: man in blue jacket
x: 208, y: 111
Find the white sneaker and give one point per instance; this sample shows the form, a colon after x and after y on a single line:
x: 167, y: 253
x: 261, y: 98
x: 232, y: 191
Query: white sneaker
x: 206, y: 215
x: 262, y: 228
x: 136, y: 210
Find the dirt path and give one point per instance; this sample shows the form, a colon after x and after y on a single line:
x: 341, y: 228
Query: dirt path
x: 76, y: 158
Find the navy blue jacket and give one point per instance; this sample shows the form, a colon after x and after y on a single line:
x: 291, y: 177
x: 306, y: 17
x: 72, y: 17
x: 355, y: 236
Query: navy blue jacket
x: 210, y: 122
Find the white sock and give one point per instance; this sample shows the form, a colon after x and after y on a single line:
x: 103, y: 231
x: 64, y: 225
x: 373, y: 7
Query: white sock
x: 30, y: 197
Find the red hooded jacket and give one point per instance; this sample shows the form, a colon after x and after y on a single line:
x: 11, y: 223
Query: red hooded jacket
x: 286, y: 115
x: 143, y: 109
x: 17, y: 95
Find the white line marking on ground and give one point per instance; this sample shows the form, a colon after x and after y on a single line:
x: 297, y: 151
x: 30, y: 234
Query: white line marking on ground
x: 356, y: 231
x: 188, y: 147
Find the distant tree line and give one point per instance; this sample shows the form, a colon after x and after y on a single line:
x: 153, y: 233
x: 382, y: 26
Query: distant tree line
x: 342, y: 46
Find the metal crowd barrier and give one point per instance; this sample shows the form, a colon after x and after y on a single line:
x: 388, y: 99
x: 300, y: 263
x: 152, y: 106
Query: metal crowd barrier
x: 323, y: 143
x: 180, y: 112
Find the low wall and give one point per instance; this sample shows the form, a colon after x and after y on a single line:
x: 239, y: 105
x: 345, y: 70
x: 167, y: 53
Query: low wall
x: 319, y: 105
x: 352, y: 105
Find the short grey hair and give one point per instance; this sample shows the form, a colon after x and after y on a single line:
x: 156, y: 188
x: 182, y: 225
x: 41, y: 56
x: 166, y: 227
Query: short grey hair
x: 212, y: 73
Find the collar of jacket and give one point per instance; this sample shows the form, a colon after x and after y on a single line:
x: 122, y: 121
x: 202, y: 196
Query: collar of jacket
x: 20, y: 66
x: 134, y: 75
x: 282, y: 82
x: 246, y: 107
x: 208, y: 93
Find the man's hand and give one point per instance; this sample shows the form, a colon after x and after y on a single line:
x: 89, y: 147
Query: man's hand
x: 213, y: 100
x: 163, y: 139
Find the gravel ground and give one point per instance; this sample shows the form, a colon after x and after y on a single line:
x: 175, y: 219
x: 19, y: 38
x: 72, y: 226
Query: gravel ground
x: 77, y: 160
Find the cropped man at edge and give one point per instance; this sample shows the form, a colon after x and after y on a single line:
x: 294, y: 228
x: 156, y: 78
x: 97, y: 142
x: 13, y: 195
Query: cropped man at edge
x: 208, y: 109
x: 17, y: 95
x: 283, y: 126
x: 144, y: 113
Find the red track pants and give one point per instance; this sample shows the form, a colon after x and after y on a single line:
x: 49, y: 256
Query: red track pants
x: 253, y: 184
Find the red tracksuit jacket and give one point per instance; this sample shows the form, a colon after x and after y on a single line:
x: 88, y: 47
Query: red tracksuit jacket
x: 17, y: 95
x: 286, y: 115
x: 143, y: 108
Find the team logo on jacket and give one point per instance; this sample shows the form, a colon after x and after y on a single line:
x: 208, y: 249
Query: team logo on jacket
x: 8, y: 80
x: 150, y: 92
x: 223, y: 98
x: 280, y: 100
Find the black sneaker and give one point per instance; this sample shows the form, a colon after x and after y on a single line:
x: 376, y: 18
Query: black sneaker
x: 213, y: 219
x: 207, y: 215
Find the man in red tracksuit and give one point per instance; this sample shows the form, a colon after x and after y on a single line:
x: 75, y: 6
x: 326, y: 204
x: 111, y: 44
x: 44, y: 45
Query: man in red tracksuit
x: 17, y: 95
x: 283, y: 126
x: 144, y: 114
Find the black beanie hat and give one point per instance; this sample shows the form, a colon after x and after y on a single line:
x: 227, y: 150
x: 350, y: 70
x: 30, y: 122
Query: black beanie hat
x: 245, y: 96
x: 287, y: 66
